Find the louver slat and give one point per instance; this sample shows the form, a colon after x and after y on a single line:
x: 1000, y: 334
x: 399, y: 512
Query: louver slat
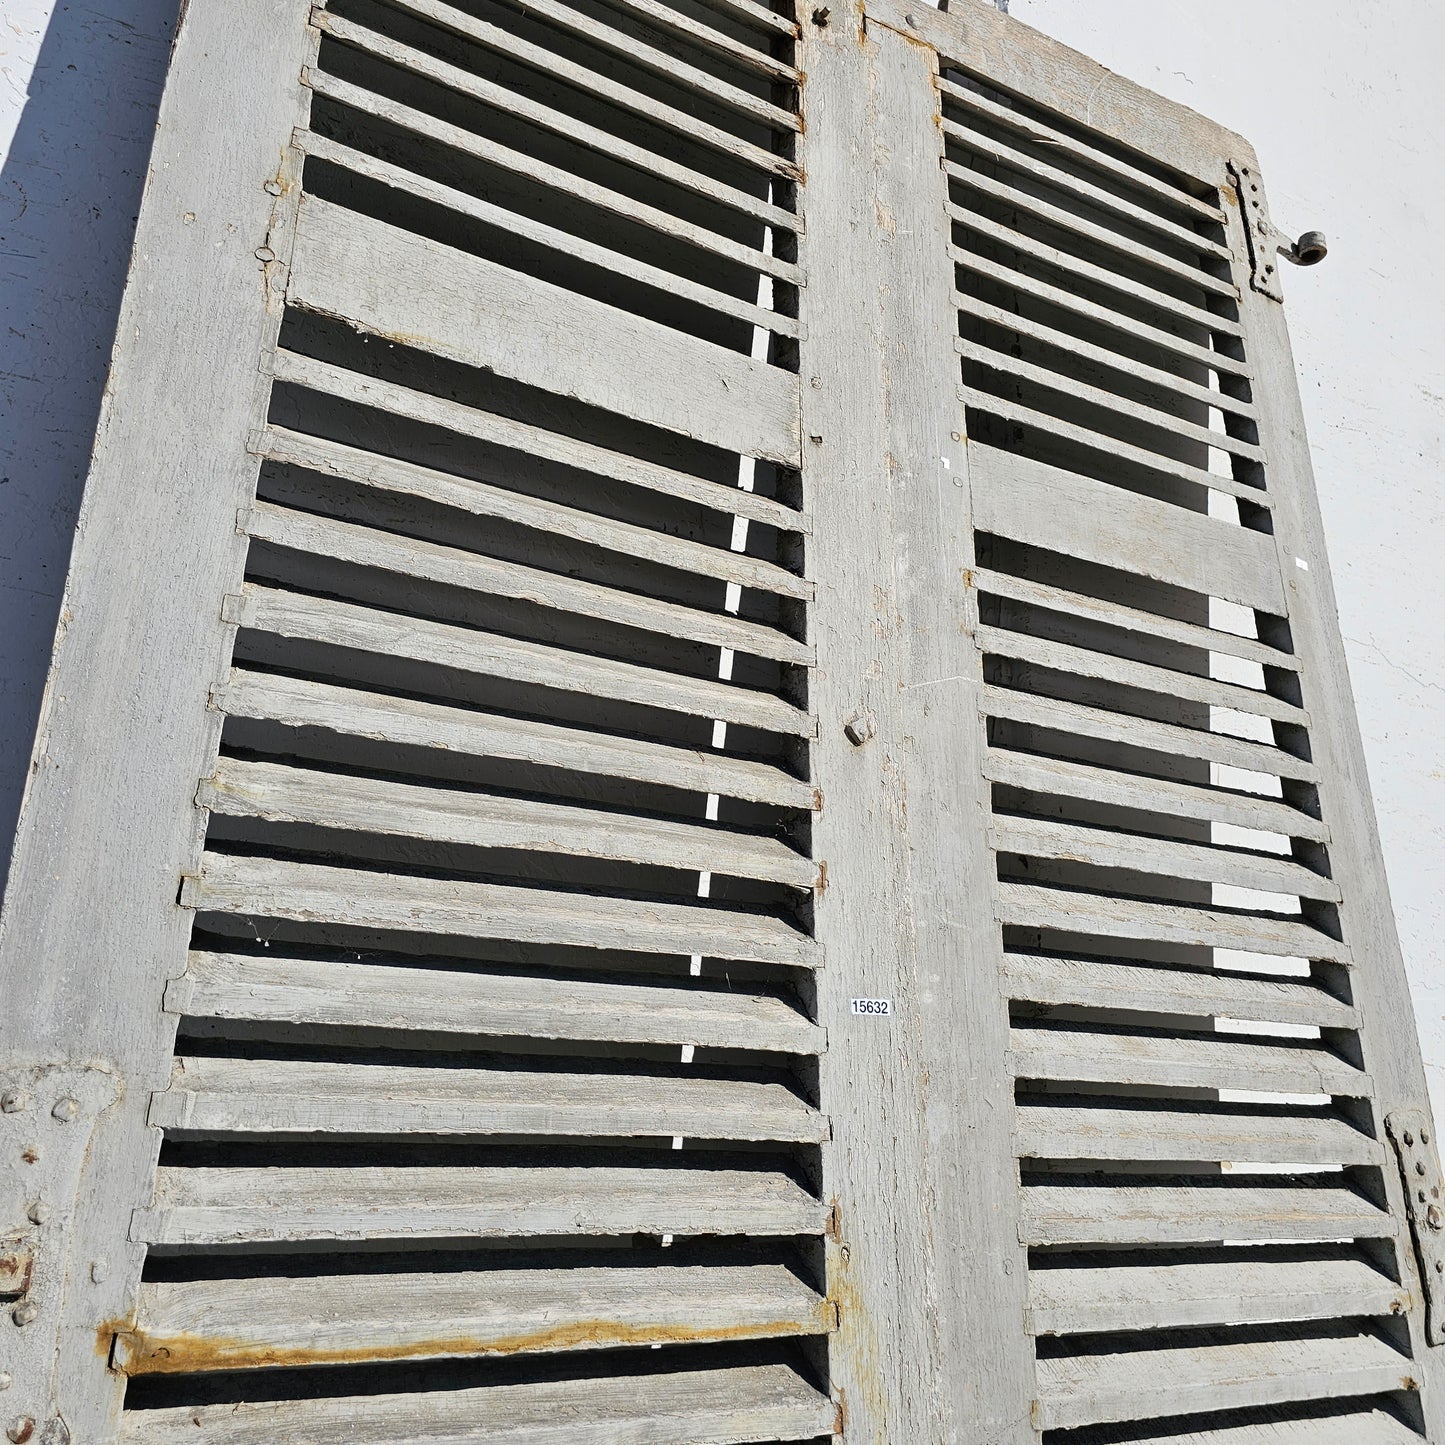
x: 266, y: 1206
x: 1086, y: 1389
x: 715, y: 1407
x: 221, y: 1324
x: 1373, y: 1427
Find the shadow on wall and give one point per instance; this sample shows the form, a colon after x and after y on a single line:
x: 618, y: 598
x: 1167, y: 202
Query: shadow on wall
x: 69, y: 191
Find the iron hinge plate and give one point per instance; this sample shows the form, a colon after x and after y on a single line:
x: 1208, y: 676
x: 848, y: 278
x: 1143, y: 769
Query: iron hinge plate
x: 1265, y: 242
x: 1412, y: 1133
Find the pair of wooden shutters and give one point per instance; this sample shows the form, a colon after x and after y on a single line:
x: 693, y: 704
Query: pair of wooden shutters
x: 698, y: 784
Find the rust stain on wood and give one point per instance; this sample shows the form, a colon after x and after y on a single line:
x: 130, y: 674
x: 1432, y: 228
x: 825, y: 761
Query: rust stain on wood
x: 137, y: 1352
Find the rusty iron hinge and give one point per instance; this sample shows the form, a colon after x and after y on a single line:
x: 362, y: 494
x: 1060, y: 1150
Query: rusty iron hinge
x: 1266, y: 242
x: 1412, y: 1134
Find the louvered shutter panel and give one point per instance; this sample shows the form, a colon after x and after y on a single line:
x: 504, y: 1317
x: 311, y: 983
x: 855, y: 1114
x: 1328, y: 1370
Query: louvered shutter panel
x: 698, y: 783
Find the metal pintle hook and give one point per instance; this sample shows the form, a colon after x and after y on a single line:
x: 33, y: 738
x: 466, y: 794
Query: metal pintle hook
x: 1309, y: 250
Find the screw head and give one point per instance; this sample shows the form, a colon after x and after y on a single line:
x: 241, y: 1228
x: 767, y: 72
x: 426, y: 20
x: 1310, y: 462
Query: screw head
x: 100, y: 1270
x: 21, y: 1429
x: 65, y: 1109
x: 1409, y: 1139
x: 25, y: 1313
x: 265, y: 253
x: 38, y: 1212
x: 272, y: 188
x: 6, y: 1379
x: 859, y: 728
x: 12, y: 1101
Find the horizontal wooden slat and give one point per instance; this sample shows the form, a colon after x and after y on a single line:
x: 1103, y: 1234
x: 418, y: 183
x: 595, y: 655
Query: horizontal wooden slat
x: 195, y: 1207
x: 336, y: 459
x: 1056, y: 715
x: 706, y: 37
x: 280, y: 793
x: 323, y: 148
x: 282, y: 1096
x: 574, y: 187
x: 1103, y: 848
x: 1175, y: 1213
x: 1131, y: 252
x: 349, y: 897
x: 1090, y: 1389
x: 1117, y: 321
x: 476, y: 312
x: 1061, y: 142
x: 1095, y: 983
x: 754, y: 13
x: 1112, y: 447
x: 393, y: 634
x: 351, y: 1319
x: 1168, y: 382
x: 278, y: 988
x: 363, y: 546
x: 1364, y: 1427
x: 1157, y: 795
x: 1072, y: 912
x: 668, y: 65
x: 1201, y: 1132
x: 1149, y: 416
x: 300, y: 702
x: 1048, y: 507
x: 1187, y: 1062
x: 711, y: 1407
x: 1239, y: 1291
x: 551, y: 62
x: 1102, y: 198
x: 518, y: 436
x: 1130, y: 619
x: 1168, y: 681
x: 1075, y: 267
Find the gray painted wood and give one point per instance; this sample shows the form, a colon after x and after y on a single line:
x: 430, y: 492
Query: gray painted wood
x: 1363, y: 1427
x: 426, y: 1001
x: 711, y: 1407
x: 198, y: 1206
x: 413, y: 291
x: 91, y: 927
x: 1030, y: 501
x: 348, y: 1318
x: 1087, y: 1389
x: 357, y: 898
x: 931, y: 1342
x: 1306, y: 1137
x: 302, y: 703
x: 1237, y: 1291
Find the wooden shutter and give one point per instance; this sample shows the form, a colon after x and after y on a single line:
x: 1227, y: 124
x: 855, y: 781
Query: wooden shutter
x: 698, y: 783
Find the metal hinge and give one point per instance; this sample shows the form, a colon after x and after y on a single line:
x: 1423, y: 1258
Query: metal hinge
x: 1267, y: 243
x: 1412, y: 1134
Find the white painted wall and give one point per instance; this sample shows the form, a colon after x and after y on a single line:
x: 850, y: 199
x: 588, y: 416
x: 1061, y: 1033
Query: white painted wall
x: 1342, y: 100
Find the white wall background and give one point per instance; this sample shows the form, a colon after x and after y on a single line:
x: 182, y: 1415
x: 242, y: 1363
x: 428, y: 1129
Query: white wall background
x: 1342, y: 99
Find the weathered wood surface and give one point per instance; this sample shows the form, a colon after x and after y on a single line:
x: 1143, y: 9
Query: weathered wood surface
x: 1114, y: 917
x: 1364, y: 1427
x: 1087, y: 1389
x: 1062, y: 143
x: 198, y: 1206
x: 304, y: 703
x: 1186, y: 1062
x: 337, y: 459
x: 413, y: 291
x: 1094, y: 983
x: 368, y: 629
x: 1189, y: 1214
x: 1160, y: 737
x: 483, y: 426
x: 91, y: 928
x: 1302, y: 1137
x: 1044, y: 838
x: 281, y: 793
x: 359, y: 898
x: 279, y: 989
x: 349, y: 1319
x: 1033, y: 502
x: 364, y: 546
x: 710, y: 1407
x: 1237, y: 1291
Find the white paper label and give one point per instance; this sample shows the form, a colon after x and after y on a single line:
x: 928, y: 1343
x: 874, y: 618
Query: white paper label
x: 873, y: 1007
